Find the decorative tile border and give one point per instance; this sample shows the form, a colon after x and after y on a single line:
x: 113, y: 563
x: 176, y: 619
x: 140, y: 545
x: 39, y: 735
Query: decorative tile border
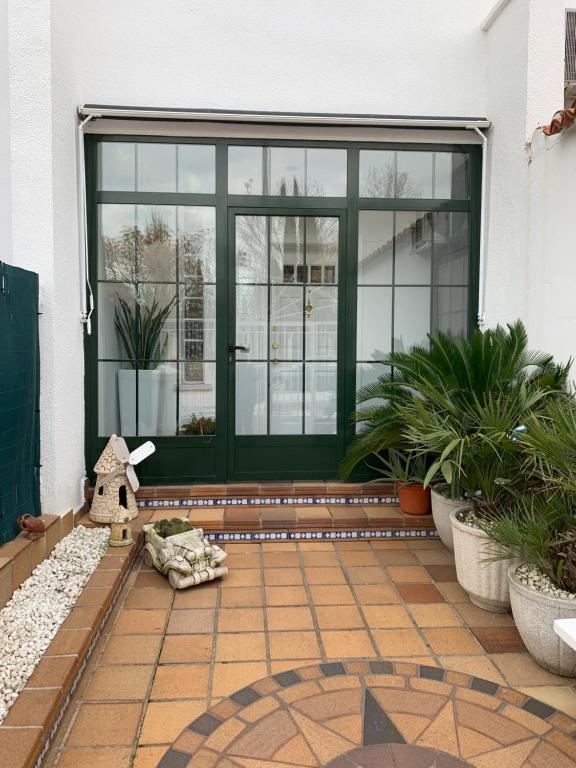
x: 270, y: 501
x: 393, y: 533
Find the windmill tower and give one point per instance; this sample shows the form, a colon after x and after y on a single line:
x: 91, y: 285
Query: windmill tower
x: 116, y: 481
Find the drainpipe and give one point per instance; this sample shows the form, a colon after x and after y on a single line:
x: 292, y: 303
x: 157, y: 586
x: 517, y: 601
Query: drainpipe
x: 482, y: 260
x: 87, y: 307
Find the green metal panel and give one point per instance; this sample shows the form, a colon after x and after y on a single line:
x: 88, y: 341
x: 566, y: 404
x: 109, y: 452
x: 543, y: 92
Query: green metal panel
x: 19, y: 398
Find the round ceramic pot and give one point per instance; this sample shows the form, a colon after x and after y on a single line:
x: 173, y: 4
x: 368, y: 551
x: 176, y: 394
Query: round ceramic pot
x: 485, y: 582
x: 442, y: 506
x: 413, y: 499
x: 534, y: 613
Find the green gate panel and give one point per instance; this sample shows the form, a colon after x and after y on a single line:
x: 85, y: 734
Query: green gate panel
x: 19, y: 398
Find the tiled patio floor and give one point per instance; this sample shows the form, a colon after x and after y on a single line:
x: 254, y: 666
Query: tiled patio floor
x: 166, y: 657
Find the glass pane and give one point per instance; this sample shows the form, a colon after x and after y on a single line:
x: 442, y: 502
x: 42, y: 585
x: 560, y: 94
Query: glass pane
x: 197, y: 322
x: 114, y: 299
x: 196, y: 168
x: 321, y: 406
x: 286, y: 321
x: 286, y: 249
x: 156, y: 167
x: 287, y: 171
x: 149, y: 388
x: 251, y: 249
x: 414, y: 174
x: 116, y: 399
x: 197, y: 243
x: 411, y: 318
x: 245, y: 170
x: 321, y: 249
x: 251, y: 398
x: 451, y: 248
x: 252, y: 321
x: 374, y: 339
x: 451, y: 175
x: 413, y: 247
x: 368, y: 373
x: 450, y: 311
x: 117, y: 242
x: 155, y: 316
x: 117, y: 166
x: 155, y: 237
x: 197, y: 398
x: 377, y: 173
x: 286, y: 399
x: 321, y: 312
x: 375, y: 241
x: 326, y: 172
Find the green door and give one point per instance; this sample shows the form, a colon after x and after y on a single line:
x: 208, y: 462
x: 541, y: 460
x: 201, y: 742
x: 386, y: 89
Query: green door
x: 286, y: 343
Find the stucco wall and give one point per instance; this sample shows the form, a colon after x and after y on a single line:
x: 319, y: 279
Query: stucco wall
x: 5, y: 193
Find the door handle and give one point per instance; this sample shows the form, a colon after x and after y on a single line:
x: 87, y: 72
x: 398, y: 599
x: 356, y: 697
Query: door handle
x: 238, y: 348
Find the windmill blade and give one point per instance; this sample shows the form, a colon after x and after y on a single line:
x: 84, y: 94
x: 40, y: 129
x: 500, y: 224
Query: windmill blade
x: 121, y: 450
x: 142, y: 452
x: 132, y: 479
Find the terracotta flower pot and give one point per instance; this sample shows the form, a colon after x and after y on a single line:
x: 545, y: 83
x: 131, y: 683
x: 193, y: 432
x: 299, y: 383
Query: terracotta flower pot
x: 414, y: 499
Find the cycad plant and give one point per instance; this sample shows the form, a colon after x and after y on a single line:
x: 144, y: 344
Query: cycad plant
x: 140, y: 330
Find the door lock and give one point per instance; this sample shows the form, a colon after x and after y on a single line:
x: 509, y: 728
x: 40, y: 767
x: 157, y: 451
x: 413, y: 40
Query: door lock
x: 238, y: 348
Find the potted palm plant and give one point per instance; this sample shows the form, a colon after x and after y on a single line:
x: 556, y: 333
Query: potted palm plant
x: 407, y: 472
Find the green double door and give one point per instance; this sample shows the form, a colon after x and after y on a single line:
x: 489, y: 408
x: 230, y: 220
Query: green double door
x: 286, y: 414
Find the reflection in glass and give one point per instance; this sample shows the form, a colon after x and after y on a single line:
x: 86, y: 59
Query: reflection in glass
x: 322, y: 248
x: 286, y: 399
x: 374, y: 331
x: 368, y: 373
x: 156, y: 167
x: 414, y: 174
x: 251, y: 249
x: 375, y: 247
x: 450, y: 310
x: 251, y: 398
x: 286, y: 322
x: 321, y: 313
x: 155, y: 243
x: 109, y: 294
x: 287, y: 171
x: 451, y: 248
x: 116, y: 399
x: 413, y: 247
x: 198, y: 327
x: 378, y: 173
x: 245, y: 170
x: 117, y: 166
x: 252, y: 321
x: 197, y: 243
x: 150, y: 330
x: 286, y: 249
x: 196, y: 168
x: 197, y: 404
x: 150, y: 387
x: 320, y: 398
x: 411, y: 318
x: 451, y: 176
x: 117, y: 242
x: 325, y: 172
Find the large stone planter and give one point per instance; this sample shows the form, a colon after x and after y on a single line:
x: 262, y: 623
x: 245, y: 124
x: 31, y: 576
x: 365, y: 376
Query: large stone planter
x: 442, y: 506
x: 534, y: 613
x: 485, y: 582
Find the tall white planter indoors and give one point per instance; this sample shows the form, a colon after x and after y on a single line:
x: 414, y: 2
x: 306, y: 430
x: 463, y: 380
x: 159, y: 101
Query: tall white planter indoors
x: 442, y: 507
x: 486, y: 583
x: 148, y: 401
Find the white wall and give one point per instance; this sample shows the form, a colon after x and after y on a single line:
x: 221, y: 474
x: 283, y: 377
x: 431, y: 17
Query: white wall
x: 5, y: 193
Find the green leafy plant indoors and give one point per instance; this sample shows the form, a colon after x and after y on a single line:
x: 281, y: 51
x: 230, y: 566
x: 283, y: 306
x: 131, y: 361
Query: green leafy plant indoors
x: 165, y: 528
x: 140, y: 330
x: 199, y: 425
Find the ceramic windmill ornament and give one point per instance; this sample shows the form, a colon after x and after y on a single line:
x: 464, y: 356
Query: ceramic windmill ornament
x: 116, y: 481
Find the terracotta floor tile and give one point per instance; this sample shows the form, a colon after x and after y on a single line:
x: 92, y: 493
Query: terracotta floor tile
x: 435, y: 615
x: 442, y: 573
x: 380, y: 594
x: 350, y: 546
x: 452, y: 640
x: 54, y: 672
x: 284, y: 596
x: 202, y: 596
x: 499, y: 639
x: 274, y: 577
x: 420, y: 593
x: 339, y: 617
x: 363, y: 558
x: 281, y: 560
x: 34, y: 707
x: 314, y: 559
x: 377, y: 544
x: 477, y: 666
x: 148, y: 598
x: 248, y: 646
x: 229, y: 678
x: 137, y: 622
x: 477, y: 617
x: 105, y: 725
x: 248, y: 577
x: 148, y: 757
x: 408, y: 574
x: 519, y: 669
x: 69, y: 641
x: 368, y: 575
x: 178, y: 649
x: 278, y: 546
x: 330, y: 575
x: 434, y: 556
x: 93, y: 596
x: 242, y: 597
x: 316, y: 546
x: 562, y: 697
x: 191, y: 622
x: 396, y: 557
x: 85, y: 757
x: 287, y: 618
x: 180, y: 681
x: 243, y: 560
x: 82, y: 617
x: 141, y: 649
x: 331, y: 594
x: 126, y: 683
x: 453, y: 592
x: 293, y: 645
x: 102, y: 579
x: 164, y: 720
x: 152, y: 579
x: 347, y: 644
x: 399, y: 642
x: 386, y: 616
x: 241, y: 620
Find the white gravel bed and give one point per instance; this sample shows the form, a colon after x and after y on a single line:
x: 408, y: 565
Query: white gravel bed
x: 36, y: 610
x: 533, y: 578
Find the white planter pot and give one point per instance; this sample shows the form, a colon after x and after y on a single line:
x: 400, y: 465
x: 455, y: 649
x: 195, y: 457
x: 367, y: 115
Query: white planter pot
x: 534, y: 613
x: 148, y: 401
x: 442, y: 506
x: 486, y: 583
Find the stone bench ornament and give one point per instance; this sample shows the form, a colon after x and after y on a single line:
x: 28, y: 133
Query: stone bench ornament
x: 187, y: 558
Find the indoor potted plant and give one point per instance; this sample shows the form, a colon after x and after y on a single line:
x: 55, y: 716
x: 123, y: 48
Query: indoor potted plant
x: 407, y: 472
